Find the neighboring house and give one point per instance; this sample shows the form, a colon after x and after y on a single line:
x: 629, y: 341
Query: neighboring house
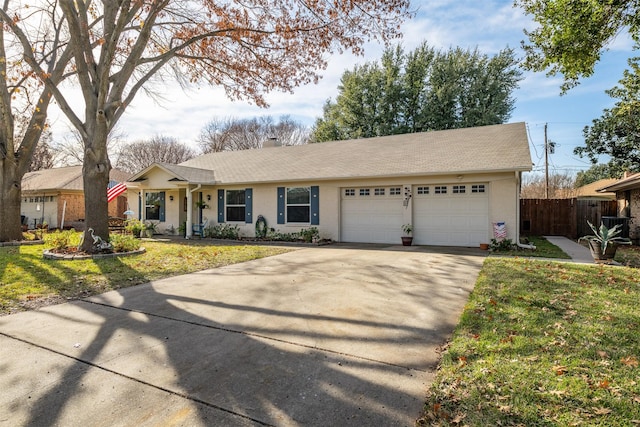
x: 56, y: 195
x: 590, y: 191
x: 627, y: 192
x: 451, y: 185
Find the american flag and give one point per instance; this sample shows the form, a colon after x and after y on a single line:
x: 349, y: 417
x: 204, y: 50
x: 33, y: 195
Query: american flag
x: 115, y: 189
x: 499, y: 230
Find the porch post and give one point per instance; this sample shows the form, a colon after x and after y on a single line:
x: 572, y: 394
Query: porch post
x: 189, y: 225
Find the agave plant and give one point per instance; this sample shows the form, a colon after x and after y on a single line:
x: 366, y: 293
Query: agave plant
x: 604, y: 236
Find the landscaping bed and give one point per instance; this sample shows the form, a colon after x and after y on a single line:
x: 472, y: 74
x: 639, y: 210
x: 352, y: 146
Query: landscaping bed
x: 27, y: 280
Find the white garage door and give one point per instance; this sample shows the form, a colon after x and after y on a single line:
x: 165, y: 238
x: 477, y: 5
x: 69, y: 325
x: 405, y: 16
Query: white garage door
x: 371, y: 214
x: 451, y: 215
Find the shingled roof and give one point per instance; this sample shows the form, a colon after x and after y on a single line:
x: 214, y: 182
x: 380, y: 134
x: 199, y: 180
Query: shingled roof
x: 470, y: 150
x: 67, y: 179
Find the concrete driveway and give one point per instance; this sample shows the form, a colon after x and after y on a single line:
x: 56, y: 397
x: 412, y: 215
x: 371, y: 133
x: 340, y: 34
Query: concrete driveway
x: 337, y: 335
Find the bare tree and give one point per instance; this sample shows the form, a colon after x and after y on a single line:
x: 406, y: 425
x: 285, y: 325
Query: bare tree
x: 118, y: 47
x: 561, y: 186
x: 232, y: 134
x: 70, y: 151
x: 29, y: 56
x: 43, y: 157
x: 138, y: 155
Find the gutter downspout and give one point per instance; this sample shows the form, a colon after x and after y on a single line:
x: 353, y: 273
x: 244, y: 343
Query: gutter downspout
x: 518, y: 244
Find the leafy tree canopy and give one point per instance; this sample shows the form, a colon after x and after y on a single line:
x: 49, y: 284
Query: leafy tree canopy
x: 616, y: 133
x: 418, y: 91
x: 572, y: 34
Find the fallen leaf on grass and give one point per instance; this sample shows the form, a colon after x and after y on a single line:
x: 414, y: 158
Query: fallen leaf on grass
x: 630, y: 361
x: 602, y: 354
x: 560, y: 369
x: 603, y: 384
x: 504, y: 408
x: 458, y: 418
x: 601, y: 411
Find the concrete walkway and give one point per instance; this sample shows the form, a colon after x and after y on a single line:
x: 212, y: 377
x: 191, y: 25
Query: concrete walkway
x: 329, y: 336
x: 578, y: 253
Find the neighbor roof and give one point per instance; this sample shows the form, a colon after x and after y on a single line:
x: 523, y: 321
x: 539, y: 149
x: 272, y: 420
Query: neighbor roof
x: 470, y: 150
x: 628, y: 183
x: 593, y: 189
x: 67, y: 178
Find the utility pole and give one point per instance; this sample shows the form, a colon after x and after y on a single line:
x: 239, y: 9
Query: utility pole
x: 546, y: 163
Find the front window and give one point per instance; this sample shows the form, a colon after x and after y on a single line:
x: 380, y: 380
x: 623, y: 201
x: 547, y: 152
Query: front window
x: 298, y: 204
x: 154, y: 206
x: 236, y: 205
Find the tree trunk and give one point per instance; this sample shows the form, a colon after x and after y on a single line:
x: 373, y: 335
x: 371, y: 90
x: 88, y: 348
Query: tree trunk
x: 95, y: 171
x: 10, y: 227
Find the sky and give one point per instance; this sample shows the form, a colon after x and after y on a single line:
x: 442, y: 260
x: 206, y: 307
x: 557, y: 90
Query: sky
x: 490, y: 25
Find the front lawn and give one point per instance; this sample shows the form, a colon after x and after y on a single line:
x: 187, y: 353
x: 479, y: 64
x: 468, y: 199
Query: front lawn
x: 543, y: 343
x: 27, y: 280
x: 544, y: 249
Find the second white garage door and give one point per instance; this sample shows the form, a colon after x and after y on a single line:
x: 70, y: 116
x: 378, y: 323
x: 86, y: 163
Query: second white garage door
x: 451, y: 215
x: 371, y: 214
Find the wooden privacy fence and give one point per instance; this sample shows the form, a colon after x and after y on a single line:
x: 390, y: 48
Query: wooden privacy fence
x: 562, y: 217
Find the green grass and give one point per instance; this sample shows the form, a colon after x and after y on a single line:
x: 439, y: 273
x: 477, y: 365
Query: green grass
x: 544, y: 249
x: 542, y: 343
x: 628, y: 255
x: 26, y: 279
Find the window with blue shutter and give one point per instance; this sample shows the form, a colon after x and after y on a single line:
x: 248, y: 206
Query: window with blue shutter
x: 154, y: 206
x: 299, y: 205
x: 248, y: 199
x: 315, y: 205
x: 220, y: 206
x: 281, y: 192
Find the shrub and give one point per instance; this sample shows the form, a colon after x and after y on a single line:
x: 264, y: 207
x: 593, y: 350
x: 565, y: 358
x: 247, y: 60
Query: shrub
x: 501, y: 245
x: 134, y: 226
x: 61, y: 240
x: 222, y: 231
x: 124, y: 243
x: 309, y: 235
x: 277, y: 236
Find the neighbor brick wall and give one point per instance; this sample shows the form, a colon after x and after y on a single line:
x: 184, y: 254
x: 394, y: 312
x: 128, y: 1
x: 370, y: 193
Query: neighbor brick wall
x: 634, y: 222
x: 75, y: 207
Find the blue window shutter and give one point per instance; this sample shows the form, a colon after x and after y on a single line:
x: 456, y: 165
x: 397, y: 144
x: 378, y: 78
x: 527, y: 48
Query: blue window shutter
x: 248, y: 209
x: 315, y: 205
x: 162, y: 207
x: 281, y: 193
x: 220, y: 206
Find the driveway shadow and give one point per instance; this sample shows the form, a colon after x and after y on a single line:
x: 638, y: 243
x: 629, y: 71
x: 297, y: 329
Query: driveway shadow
x: 348, y: 340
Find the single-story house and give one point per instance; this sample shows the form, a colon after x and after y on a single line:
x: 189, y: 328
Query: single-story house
x: 55, y: 196
x: 592, y: 191
x: 450, y: 185
x: 627, y: 192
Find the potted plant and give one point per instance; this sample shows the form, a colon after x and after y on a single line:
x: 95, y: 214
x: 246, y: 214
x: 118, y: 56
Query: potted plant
x: 201, y: 204
x: 134, y: 226
x: 604, y: 241
x: 407, y: 239
x: 150, y: 228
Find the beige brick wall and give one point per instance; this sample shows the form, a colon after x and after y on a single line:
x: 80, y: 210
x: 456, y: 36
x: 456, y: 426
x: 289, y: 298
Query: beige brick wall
x: 634, y: 222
